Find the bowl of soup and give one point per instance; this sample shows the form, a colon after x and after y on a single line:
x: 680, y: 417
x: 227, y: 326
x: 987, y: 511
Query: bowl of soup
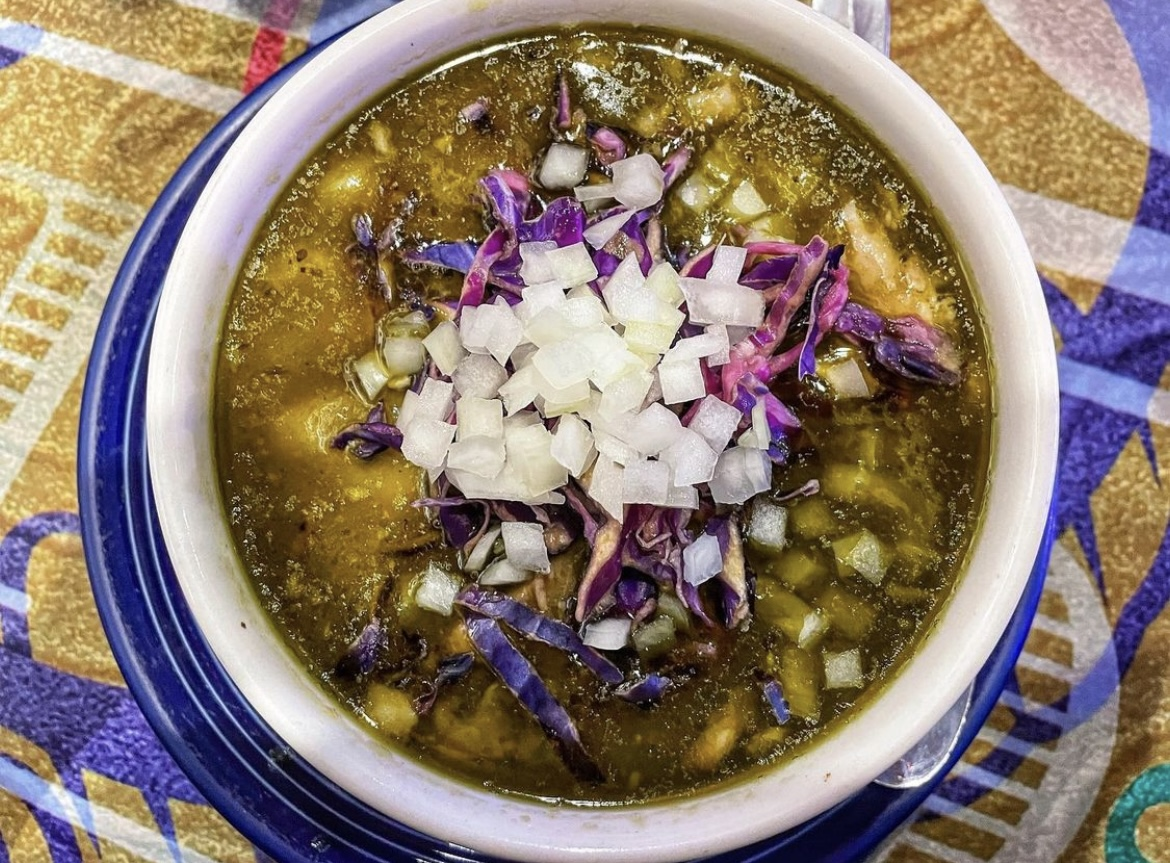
x: 630, y: 429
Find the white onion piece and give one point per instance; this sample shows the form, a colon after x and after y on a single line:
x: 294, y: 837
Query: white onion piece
x: 524, y: 546
x: 845, y: 379
x: 638, y: 181
x: 711, y: 302
x: 600, y: 233
x: 605, y: 485
x: 403, y: 356
x: 681, y: 381
x: 740, y: 474
x: 445, y: 347
x: 646, y: 481
x: 715, y: 421
x: 727, y: 263
x: 572, y: 265
x: 503, y: 572
x: 702, y: 560
x: 572, y: 444
x: 691, y: 459
x: 482, y: 456
x: 768, y: 525
x: 436, y: 590
x: 594, y: 192
x: 426, y: 441
x: 479, y: 417
x: 367, y: 376
x: 483, y: 548
x: 534, y: 266
x: 611, y: 633
x: 563, y: 167
x: 843, y: 670
x: 746, y: 201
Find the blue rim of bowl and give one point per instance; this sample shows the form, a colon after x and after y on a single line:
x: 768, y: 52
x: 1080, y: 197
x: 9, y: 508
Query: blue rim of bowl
x: 271, y: 795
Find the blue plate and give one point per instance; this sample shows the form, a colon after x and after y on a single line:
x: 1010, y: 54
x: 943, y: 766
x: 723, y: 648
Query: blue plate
x: 272, y: 796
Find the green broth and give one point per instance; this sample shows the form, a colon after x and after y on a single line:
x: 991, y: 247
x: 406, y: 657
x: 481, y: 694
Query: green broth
x: 321, y: 532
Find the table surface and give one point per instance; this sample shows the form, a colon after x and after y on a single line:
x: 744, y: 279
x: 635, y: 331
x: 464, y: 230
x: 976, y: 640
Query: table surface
x: 1068, y: 102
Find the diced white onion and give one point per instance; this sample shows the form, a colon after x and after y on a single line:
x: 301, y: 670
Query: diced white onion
x: 610, y: 633
x: 503, y: 572
x: 563, y: 167
x: 843, y: 670
x: 702, y: 560
x: 483, y: 549
x: 436, y: 590
x: 524, y: 546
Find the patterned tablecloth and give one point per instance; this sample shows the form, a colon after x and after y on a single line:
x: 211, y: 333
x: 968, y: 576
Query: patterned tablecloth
x: 1068, y: 101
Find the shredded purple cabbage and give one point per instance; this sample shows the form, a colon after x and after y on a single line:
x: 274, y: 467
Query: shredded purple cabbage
x: 906, y: 346
x: 532, y: 624
x: 776, y: 700
x: 451, y: 669
x: 522, y: 680
x: 608, y: 145
x: 371, y: 437
x: 647, y: 690
x: 363, y: 652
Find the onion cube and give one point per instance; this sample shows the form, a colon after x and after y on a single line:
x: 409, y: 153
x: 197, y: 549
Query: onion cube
x: 426, y: 442
x: 482, y: 456
x: 740, y: 473
x: 611, y: 633
x: 646, y: 481
x: 815, y: 625
x: 727, y: 263
x: 625, y: 394
x: 534, y: 266
x: 474, y: 329
x: 479, y: 417
x: 520, y: 390
x: 435, y: 400
x: 613, y: 447
x: 682, y: 497
x: 436, y: 590
x: 746, y: 201
x: 691, y: 459
x: 583, y: 312
x: 367, y: 375
x: 594, y: 192
x: 716, y: 421
x: 402, y: 355
x: 723, y: 355
x: 768, y: 525
x: 536, y: 298
x: 681, y: 382
x: 663, y: 283
x: 528, y: 449
x: 695, y: 347
x: 600, y: 233
x: 655, y: 428
x: 482, y: 550
x: 502, y: 572
x: 702, y: 560
x: 572, y: 444
x: 845, y: 379
x: 650, y: 338
x: 605, y: 486
x: 505, y: 331
x: 612, y: 364
x: 563, y: 364
x: 638, y: 181
x: 406, y: 410
x: 563, y: 167
x: 572, y: 265
x: 524, y: 545
x: 479, y: 376
x: 710, y: 302
x: 547, y: 326
x: 445, y: 347
x: 843, y: 670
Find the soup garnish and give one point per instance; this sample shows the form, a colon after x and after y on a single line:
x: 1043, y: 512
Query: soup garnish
x: 661, y: 464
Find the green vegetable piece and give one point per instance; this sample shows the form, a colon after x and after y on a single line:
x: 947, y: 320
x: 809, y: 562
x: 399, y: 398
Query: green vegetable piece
x: 803, y: 570
x: 906, y: 595
x: 850, y: 615
x: 781, y: 609
x: 812, y: 518
x: 801, y: 678
x: 655, y: 637
x: 853, y: 483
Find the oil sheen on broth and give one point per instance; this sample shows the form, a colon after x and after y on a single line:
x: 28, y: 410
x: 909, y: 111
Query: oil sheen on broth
x: 328, y: 538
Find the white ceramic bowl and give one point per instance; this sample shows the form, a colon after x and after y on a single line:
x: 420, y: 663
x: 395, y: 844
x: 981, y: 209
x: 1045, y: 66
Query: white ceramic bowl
x: 306, y: 111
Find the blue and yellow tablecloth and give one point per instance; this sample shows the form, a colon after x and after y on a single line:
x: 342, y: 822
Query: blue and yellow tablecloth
x: 1068, y: 101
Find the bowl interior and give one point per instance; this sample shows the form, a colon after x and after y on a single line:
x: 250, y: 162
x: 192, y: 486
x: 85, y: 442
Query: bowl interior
x: 352, y: 71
